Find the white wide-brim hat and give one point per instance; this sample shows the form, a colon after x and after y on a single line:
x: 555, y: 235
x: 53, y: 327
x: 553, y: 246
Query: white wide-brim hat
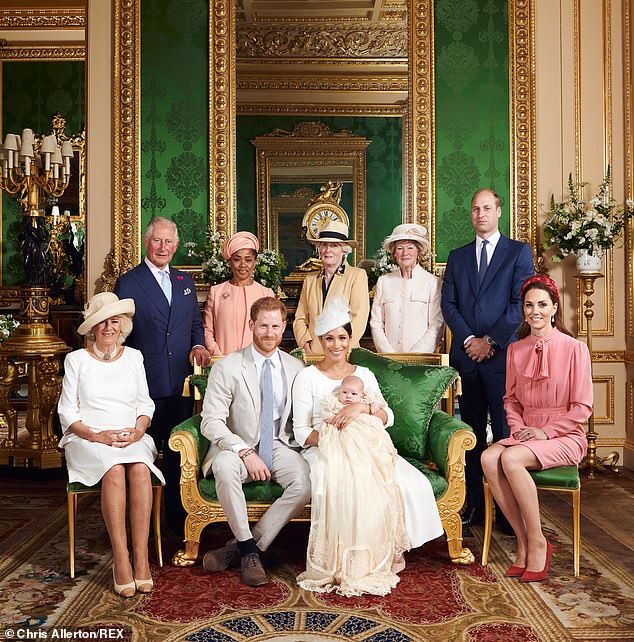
x: 335, y: 315
x: 408, y: 232
x: 103, y: 306
x: 334, y: 232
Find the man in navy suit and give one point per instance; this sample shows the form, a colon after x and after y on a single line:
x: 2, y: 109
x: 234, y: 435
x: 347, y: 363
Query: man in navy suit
x: 482, y: 307
x: 168, y: 331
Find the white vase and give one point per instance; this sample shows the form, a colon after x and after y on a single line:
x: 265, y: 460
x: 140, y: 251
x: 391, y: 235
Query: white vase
x: 589, y: 261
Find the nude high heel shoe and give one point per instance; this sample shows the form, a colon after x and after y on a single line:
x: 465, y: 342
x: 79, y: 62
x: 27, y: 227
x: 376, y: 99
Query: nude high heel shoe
x: 144, y: 586
x: 124, y: 590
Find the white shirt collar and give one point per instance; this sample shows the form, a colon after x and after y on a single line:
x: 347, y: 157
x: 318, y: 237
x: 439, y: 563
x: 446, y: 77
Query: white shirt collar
x: 493, y: 240
x: 156, y: 271
x: 259, y: 358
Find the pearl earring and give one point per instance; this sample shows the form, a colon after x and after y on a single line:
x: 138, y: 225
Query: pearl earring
x: 552, y: 320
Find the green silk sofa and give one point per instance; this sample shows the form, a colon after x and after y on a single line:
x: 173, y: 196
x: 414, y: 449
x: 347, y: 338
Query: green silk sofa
x: 429, y: 438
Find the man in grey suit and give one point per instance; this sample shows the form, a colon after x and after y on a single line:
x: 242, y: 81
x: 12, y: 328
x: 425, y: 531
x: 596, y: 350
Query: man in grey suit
x: 246, y: 417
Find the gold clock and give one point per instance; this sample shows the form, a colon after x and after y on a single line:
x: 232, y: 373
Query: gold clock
x: 317, y: 215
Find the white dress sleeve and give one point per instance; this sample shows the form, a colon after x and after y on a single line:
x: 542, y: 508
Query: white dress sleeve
x: 303, y: 405
x: 68, y: 405
x: 144, y: 404
x: 372, y: 387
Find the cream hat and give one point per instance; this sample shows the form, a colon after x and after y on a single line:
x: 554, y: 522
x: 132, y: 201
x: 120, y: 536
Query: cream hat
x: 334, y: 232
x: 335, y: 315
x: 408, y: 232
x: 103, y: 306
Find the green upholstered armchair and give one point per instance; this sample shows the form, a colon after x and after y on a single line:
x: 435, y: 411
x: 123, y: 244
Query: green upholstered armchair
x: 430, y: 439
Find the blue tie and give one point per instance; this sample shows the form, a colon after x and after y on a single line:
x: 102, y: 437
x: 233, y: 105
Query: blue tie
x: 484, y: 263
x: 265, y: 449
x: 166, y: 284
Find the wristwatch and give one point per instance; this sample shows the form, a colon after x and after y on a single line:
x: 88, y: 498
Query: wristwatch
x: 490, y: 341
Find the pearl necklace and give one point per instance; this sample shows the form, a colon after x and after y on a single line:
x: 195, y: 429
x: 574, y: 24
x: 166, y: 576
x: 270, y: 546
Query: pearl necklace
x: 104, y: 356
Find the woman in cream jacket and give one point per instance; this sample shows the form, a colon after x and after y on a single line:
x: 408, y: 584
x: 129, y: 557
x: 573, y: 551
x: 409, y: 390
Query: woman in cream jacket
x: 406, y: 314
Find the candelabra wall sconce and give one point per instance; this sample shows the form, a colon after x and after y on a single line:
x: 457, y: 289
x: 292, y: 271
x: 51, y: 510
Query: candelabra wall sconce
x: 33, y: 167
x: 592, y: 461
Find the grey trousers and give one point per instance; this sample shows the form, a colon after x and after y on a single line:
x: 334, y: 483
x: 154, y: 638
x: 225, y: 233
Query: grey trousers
x: 289, y: 470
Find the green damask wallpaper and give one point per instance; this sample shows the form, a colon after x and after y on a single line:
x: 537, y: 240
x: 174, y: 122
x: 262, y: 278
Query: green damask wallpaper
x: 32, y: 92
x: 174, y: 116
x: 472, y: 114
x: 383, y: 168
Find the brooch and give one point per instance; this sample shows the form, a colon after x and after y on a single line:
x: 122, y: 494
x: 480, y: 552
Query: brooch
x: 226, y: 295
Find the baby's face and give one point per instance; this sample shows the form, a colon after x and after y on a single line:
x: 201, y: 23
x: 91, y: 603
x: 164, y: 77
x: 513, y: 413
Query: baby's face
x: 350, y: 393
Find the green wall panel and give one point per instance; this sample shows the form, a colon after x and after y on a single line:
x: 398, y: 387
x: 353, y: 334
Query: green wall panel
x: 174, y: 116
x: 383, y: 168
x: 32, y: 92
x: 472, y: 114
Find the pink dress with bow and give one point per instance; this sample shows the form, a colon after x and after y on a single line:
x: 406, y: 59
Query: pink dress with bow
x: 549, y: 386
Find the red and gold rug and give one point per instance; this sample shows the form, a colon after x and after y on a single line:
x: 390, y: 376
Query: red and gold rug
x: 434, y: 600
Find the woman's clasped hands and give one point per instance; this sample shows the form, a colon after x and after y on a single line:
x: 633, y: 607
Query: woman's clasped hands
x: 119, y: 438
x: 529, y: 433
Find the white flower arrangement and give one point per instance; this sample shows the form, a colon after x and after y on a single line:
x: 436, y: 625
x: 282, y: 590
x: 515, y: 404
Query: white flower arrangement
x: 575, y: 224
x: 268, y: 268
x: 7, y: 326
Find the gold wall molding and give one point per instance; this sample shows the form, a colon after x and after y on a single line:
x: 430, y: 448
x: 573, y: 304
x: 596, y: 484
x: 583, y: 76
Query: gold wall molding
x: 616, y: 356
x: 521, y: 16
x: 607, y: 381
x: 222, y: 116
x: 126, y: 148
x: 335, y: 41
x: 577, y: 88
x: 43, y: 18
x: 345, y: 83
x: 303, y: 109
x: 36, y: 51
x: 421, y: 137
x: 606, y: 25
x: 628, y: 115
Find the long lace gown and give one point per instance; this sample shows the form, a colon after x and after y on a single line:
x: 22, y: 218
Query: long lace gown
x: 368, y: 503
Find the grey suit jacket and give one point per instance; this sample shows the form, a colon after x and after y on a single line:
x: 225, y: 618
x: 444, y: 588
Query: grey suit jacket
x: 231, y: 408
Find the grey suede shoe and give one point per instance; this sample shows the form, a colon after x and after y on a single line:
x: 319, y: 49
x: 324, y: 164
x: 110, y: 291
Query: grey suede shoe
x: 222, y: 558
x: 253, y: 573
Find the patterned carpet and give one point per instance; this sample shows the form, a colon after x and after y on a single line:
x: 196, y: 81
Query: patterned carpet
x: 434, y: 600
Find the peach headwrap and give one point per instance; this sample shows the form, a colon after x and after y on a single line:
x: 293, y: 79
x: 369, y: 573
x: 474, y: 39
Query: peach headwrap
x: 239, y: 241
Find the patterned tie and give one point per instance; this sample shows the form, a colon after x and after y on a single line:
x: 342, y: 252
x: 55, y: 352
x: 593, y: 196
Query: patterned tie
x: 484, y: 263
x: 166, y: 284
x: 265, y: 449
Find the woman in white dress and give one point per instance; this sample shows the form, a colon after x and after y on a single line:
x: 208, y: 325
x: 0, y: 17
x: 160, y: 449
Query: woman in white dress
x: 105, y: 409
x: 406, y: 315
x: 355, y: 543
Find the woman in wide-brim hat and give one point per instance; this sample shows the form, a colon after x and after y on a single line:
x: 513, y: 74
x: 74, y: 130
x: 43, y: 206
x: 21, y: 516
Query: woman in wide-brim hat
x: 406, y: 315
x: 105, y: 409
x: 226, y: 316
x: 336, y: 280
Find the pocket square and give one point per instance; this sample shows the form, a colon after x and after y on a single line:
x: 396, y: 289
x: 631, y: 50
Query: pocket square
x: 187, y: 291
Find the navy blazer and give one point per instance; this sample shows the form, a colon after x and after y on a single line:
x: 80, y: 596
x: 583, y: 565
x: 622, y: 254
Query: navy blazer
x: 494, y: 308
x: 164, y: 334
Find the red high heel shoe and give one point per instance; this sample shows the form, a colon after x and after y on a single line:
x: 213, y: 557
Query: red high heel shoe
x: 515, y: 571
x: 538, y: 576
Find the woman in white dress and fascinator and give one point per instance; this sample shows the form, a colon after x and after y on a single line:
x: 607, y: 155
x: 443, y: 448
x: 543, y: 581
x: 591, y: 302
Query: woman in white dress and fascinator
x: 406, y: 315
x: 369, y: 505
x: 105, y: 409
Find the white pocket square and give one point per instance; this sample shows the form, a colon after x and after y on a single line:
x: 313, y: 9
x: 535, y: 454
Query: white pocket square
x: 187, y: 291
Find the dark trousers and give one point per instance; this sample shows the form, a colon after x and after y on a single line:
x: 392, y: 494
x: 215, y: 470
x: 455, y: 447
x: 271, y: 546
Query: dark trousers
x: 482, y: 395
x: 169, y: 412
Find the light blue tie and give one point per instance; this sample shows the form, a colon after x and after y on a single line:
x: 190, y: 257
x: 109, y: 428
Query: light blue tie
x: 166, y: 284
x: 265, y: 449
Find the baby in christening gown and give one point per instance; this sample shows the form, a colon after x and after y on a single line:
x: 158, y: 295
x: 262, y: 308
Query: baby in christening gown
x: 357, y: 536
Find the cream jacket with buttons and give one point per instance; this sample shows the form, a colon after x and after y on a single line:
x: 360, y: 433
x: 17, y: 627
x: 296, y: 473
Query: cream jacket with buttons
x: 406, y: 315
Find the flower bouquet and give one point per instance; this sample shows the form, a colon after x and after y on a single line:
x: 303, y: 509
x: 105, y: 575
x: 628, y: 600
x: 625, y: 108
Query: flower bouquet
x: 269, y: 266
x: 595, y: 225
x: 7, y: 326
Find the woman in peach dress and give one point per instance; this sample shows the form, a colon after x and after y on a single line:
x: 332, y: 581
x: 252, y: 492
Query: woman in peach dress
x: 226, y: 316
x: 548, y: 398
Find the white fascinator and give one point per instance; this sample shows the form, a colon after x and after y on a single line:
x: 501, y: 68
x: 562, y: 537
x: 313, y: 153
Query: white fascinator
x: 335, y: 314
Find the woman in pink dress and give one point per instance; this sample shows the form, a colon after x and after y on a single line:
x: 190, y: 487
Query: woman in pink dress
x: 226, y: 316
x: 548, y: 398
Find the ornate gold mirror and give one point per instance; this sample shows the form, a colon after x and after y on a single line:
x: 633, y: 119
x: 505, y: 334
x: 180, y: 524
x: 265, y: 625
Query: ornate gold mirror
x: 291, y: 168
